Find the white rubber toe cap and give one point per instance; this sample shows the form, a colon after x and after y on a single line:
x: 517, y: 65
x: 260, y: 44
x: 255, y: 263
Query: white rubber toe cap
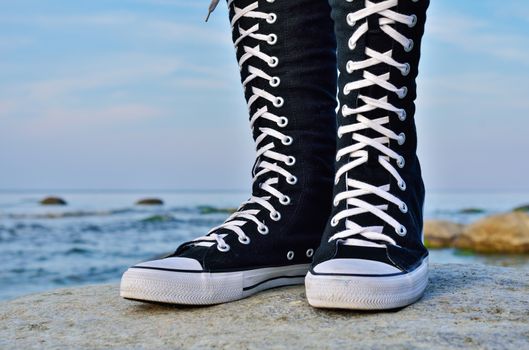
x: 175, y: 263
x: 355, y: 267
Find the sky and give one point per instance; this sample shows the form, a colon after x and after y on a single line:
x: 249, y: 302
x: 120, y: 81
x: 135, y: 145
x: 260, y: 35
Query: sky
x: 142, y: 94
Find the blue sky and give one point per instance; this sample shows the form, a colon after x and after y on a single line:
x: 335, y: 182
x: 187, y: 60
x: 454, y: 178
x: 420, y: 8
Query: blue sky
x: 127, y: 94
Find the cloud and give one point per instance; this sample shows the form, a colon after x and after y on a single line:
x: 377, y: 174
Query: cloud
x: 476, y: 35
x: 67, y: 120
x: 137, y: 25
x: 487, y: 92
x: 108, y: 72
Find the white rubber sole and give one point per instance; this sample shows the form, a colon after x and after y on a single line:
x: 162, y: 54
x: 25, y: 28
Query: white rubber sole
x: 366, y: 292
x: 204, y: 288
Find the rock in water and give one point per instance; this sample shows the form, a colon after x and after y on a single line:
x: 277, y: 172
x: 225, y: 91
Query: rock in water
x: 471, y: 211
x: 524, y: 208
x: 159, y: 219
x: 441, y: 233
x: 53, y: 201
x: 150, y: 201
x: 465, y: 306
x: 206, y: 209
x: 503, y: 233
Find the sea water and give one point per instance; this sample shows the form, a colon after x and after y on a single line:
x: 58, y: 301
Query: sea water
x: 99, y: 234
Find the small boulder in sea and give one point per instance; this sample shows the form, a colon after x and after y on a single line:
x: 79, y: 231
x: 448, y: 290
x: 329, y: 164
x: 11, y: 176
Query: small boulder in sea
x: 159, y: 218
x: 503, y: 233
x: 53, y: 201
x: 150, y: 201
x: 205, y: 209
x: 471, y: 211
x: 441, y: 233
x: 524, y: 208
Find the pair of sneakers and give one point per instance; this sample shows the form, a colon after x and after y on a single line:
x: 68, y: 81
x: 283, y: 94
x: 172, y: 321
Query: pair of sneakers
x: 337, y: 193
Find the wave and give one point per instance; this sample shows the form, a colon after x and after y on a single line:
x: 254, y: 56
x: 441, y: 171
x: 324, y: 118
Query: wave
x: 202, y: 209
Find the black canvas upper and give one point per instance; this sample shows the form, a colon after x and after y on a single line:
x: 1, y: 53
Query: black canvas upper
x: 306, y: 50
x: 410, y: 249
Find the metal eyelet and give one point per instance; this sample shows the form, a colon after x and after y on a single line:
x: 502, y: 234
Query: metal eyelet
x: 290, y: 255
x: 274, y: 61
x: 271, y: 18
x: 409, y: 47
x: 272, y: 39
x: 275, y: 81
x: 403, y: 208
x: 292, y: 180
x: 406, y: 70
x: 285, y: 200
x: 263, y: 229
x: 334, y: 222
x: 402, y: 92
x: 402, y: 115
x: 287, y: 141
x: 401, y: 231
x: 283, y: 121
x: 223, y: 248
x: 344, y: 109
x: 245, y: 240
x: 291, y: 161
x: 402, y: 138
x: 413, y: 21
x: 402, y: 186
x: 349, y: 19
x: 401, y: 162
x: 309, y: 253
x: 351, y: 44
x: 279, y: 102
x: 349, y: 67
x: 276, y: 216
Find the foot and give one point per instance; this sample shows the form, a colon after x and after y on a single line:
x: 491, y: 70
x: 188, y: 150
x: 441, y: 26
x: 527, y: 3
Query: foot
x: 372, y: 256
x: 288, y: 70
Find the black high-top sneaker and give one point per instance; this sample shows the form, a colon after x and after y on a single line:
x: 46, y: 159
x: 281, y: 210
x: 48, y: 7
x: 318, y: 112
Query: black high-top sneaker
x: 372, y: 255
x: 287, y: 55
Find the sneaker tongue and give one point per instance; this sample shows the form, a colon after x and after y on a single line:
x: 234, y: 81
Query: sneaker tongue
x: 377, y: 40
x: 372, y: 172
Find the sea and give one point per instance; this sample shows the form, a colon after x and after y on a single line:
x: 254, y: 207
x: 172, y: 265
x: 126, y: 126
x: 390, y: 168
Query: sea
x: 98, y: 234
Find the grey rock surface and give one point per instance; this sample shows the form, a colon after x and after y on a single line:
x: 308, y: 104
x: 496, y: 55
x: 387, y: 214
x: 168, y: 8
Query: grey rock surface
x: 465, y: 306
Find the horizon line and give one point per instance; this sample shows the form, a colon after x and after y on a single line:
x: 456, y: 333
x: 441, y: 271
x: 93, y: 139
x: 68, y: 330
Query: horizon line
x: 221, y: 190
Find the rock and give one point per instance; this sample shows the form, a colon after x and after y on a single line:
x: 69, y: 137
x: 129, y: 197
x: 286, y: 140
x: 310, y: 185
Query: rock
x: 159, y: 218
x: 503, y: 233
x: 471, y: 211
x: 150, y: 201
x: 524, y: 208
x: 204, y: 209
x: 441, y: 233
x: 465, y: 306
x: 53, y: 201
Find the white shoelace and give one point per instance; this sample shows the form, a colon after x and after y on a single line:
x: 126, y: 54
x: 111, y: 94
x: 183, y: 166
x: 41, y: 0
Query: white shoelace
x: 357, y: 152
x: 265, y: 140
